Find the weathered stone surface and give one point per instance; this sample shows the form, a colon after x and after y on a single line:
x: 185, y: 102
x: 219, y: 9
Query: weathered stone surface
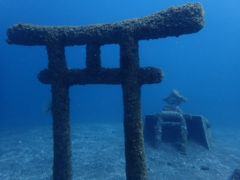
x: 199, y: 129
x: 146, y: 75
x: 153, y: 130
x: 167, y: 126
x: 175, y: 98
x: 173, y: 125
x: 174, y: 21
x: 62, y: 148
x: 173, y: 101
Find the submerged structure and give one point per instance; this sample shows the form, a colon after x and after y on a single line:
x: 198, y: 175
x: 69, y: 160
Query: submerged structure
x: 172, y: 125
x: 173, y: 21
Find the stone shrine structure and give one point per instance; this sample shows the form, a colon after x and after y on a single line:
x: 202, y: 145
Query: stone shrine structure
x: 174, y: 21
x: 172, y: 125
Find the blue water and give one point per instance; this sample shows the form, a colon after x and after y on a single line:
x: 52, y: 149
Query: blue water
x: 203, y: 66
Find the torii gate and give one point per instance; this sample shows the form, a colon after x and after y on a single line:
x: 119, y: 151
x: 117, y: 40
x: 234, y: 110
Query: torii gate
x: 173, y: 21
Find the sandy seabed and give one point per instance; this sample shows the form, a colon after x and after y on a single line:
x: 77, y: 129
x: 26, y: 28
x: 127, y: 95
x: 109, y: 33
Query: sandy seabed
x: 98, y: 154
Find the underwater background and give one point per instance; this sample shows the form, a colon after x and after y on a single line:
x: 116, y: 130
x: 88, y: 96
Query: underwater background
x: 203, y: 66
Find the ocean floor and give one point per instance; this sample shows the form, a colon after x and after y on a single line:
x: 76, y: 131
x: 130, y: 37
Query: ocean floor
x: 98, y: 154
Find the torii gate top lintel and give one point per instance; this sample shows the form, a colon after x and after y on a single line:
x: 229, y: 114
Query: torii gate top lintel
x: 173, y: 21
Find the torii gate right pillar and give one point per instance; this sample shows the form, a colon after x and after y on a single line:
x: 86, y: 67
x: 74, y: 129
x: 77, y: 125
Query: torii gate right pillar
x: 131, y: 87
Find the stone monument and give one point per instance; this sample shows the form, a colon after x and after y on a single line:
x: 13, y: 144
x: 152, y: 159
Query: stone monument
x: 172, y: 125
x: 174, y: 21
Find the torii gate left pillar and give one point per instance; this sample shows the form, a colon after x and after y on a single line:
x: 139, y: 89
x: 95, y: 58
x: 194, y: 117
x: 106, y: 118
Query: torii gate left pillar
x: 173, y: 21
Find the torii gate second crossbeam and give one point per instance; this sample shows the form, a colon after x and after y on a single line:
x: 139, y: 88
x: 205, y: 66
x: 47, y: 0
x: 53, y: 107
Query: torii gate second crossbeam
x: 173, y: 21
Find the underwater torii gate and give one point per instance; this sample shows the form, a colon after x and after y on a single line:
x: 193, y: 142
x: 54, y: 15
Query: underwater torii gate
x: 173, y: 21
